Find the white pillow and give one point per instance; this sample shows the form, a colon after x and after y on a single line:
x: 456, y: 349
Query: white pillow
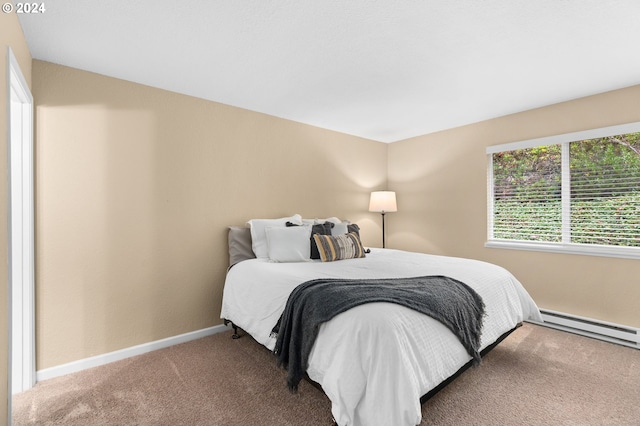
x: 289, y: 244
x: 329, y: 219
x: 258, y: 236
x: 339, y: 228
x: 317, y: 221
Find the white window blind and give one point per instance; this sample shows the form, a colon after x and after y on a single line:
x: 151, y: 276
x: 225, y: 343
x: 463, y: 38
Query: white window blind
x: 571, y: 193
x: 605, y: 191
x: 527, y: 194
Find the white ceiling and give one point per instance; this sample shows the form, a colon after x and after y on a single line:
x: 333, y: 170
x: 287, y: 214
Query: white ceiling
x: 386, y: 70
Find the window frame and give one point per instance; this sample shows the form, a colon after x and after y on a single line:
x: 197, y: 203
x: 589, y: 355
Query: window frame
x: 565, y: 246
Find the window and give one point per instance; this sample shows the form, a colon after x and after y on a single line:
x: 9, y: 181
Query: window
x: 577, y: 193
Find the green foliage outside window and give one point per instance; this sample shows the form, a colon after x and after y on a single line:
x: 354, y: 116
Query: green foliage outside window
x: 605, y: 192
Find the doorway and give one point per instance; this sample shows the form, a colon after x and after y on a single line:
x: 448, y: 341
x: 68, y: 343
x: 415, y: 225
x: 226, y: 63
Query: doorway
x: 21, y: 232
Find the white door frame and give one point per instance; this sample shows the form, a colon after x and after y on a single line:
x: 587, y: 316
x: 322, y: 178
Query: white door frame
x: 22, y: 372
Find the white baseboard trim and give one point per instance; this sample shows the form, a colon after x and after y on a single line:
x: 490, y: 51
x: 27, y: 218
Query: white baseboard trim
x: 95, y: 361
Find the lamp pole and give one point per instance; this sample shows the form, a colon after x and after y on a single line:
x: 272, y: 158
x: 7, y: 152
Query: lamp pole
x: 383, y: 243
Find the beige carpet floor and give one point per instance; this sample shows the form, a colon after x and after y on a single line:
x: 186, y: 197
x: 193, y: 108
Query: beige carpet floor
x: 537, y: 376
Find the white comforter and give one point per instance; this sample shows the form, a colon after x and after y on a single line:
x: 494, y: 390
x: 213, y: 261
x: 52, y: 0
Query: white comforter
x: 375, y: 361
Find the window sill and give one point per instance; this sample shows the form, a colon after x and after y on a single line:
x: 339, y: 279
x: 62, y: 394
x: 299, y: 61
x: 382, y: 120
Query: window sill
x: 582, y: 249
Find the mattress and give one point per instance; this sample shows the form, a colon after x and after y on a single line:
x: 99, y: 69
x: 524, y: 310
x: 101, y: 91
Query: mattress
x: 375, y: 361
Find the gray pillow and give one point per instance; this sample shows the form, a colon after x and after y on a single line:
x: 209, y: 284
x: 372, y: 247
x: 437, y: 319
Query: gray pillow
x: 353, y: 227
x: 239, y: 244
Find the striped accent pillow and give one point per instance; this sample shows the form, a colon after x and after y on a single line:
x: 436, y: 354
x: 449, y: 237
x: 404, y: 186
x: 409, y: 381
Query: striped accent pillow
x: 346, y: 246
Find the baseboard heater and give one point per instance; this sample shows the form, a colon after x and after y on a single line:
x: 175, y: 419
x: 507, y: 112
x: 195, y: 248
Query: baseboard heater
x: 610, y: 332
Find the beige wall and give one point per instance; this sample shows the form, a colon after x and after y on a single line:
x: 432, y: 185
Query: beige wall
x: 135, y: 189
x: 10, y: 35
x: 441, y: 184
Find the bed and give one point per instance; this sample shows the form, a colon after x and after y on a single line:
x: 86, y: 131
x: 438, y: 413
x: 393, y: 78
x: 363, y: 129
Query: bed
x: 375, y: 361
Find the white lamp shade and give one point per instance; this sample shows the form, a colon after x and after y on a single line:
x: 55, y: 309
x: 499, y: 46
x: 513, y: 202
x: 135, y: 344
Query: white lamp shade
x: 383, y: 202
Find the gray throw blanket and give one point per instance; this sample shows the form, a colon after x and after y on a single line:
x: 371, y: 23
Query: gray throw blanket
x: 445, y: 299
